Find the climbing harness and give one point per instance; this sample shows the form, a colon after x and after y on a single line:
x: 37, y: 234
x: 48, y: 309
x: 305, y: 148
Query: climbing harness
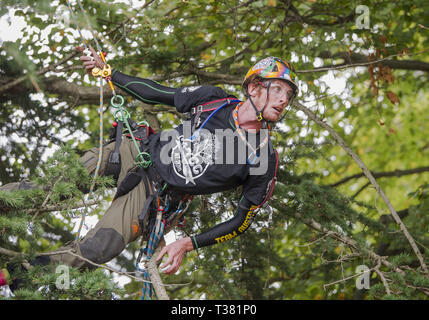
x: 213, y: 106
x: 122, y: 117
x: 156, y: 227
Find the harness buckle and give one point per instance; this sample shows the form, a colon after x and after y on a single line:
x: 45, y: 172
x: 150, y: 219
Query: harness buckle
x: 197, y: 109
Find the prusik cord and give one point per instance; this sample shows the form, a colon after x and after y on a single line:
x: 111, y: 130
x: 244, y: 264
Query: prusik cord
x: 100, y: 147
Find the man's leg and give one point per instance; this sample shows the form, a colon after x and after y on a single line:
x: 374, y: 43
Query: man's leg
x: 89, y: 160
x: 118, y: 226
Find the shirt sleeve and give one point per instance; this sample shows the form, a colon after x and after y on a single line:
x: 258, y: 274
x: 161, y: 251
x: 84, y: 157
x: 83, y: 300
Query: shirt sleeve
x: 145, y: 90
x: 229, y: 229
x: 189, y: 97
x: 255, y: 193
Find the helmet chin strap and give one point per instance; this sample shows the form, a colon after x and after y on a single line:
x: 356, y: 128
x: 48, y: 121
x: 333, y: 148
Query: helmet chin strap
x: 259, y: 115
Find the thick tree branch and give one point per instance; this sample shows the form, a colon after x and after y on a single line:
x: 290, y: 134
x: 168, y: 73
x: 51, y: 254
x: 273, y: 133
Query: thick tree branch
x: 308, y: 19
x: 90, y: 95
x: 396, y: 173
x: 360, y: 60
x: 152, y: 269
x: 5, y: 87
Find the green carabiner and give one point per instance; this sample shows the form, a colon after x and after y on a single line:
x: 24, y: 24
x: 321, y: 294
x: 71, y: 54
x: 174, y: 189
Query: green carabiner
x: 121, y: 115
x: 117, y: 105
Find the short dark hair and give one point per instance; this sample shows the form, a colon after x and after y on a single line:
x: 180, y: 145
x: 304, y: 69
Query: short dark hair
x: 255, y: 79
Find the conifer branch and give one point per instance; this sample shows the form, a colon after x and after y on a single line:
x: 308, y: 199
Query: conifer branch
x: 11, y: 253
x: 349, y: 242
x: 60, y: 208
x: 348, y: 278
x: 127, y: 274
x: 383, y: 279
x: 370, y: 177
x: 8, y: 252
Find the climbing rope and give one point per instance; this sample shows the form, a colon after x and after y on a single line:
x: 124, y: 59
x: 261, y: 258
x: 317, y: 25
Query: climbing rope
x: 100, y: 111
x: 143, y: 159
x: 100, y: 157
x: 145, y: 255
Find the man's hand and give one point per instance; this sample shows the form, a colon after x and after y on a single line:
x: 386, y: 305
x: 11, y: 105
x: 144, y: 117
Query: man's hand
x: 90, y: 62
x: 175, y: 252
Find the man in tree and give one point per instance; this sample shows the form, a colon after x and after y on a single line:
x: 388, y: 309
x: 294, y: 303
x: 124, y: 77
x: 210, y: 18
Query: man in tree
x: 191, y: 159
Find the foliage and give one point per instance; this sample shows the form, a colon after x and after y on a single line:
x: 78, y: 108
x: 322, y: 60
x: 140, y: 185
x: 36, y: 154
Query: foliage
x: 379, y: 108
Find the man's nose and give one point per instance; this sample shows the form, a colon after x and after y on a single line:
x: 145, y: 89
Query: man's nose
x: 284, y: 99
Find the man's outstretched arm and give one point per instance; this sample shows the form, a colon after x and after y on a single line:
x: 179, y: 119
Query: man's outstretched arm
x: 227, y: 230
x: 144, y: 90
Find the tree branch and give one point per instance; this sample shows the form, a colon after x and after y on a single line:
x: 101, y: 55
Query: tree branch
x: 348, y: 241
x: 360, y: 60
x: 370, y: 177
x: 395, y: 173
x: 311, y: 21
x: 42, y: 71
x: 60, y: 208
x: 152, y: 269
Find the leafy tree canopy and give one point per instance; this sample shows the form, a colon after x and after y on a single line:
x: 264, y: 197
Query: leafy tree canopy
x: 363, y: 69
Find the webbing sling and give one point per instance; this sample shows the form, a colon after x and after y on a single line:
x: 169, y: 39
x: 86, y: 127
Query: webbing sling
x: 113, y: 166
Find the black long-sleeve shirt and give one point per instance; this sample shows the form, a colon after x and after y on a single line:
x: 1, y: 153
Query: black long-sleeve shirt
x: 210, y: 159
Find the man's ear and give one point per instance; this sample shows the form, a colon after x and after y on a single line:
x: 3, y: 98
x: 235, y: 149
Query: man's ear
x: 253, y: 89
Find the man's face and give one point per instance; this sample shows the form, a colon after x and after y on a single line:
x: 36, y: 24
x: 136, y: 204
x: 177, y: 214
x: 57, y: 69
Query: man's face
x: 279, y: 96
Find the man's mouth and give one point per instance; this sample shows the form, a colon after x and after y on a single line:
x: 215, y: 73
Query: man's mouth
x: 278, y: 109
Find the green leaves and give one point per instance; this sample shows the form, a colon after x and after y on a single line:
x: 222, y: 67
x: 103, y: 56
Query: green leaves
x: 380, y: 111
